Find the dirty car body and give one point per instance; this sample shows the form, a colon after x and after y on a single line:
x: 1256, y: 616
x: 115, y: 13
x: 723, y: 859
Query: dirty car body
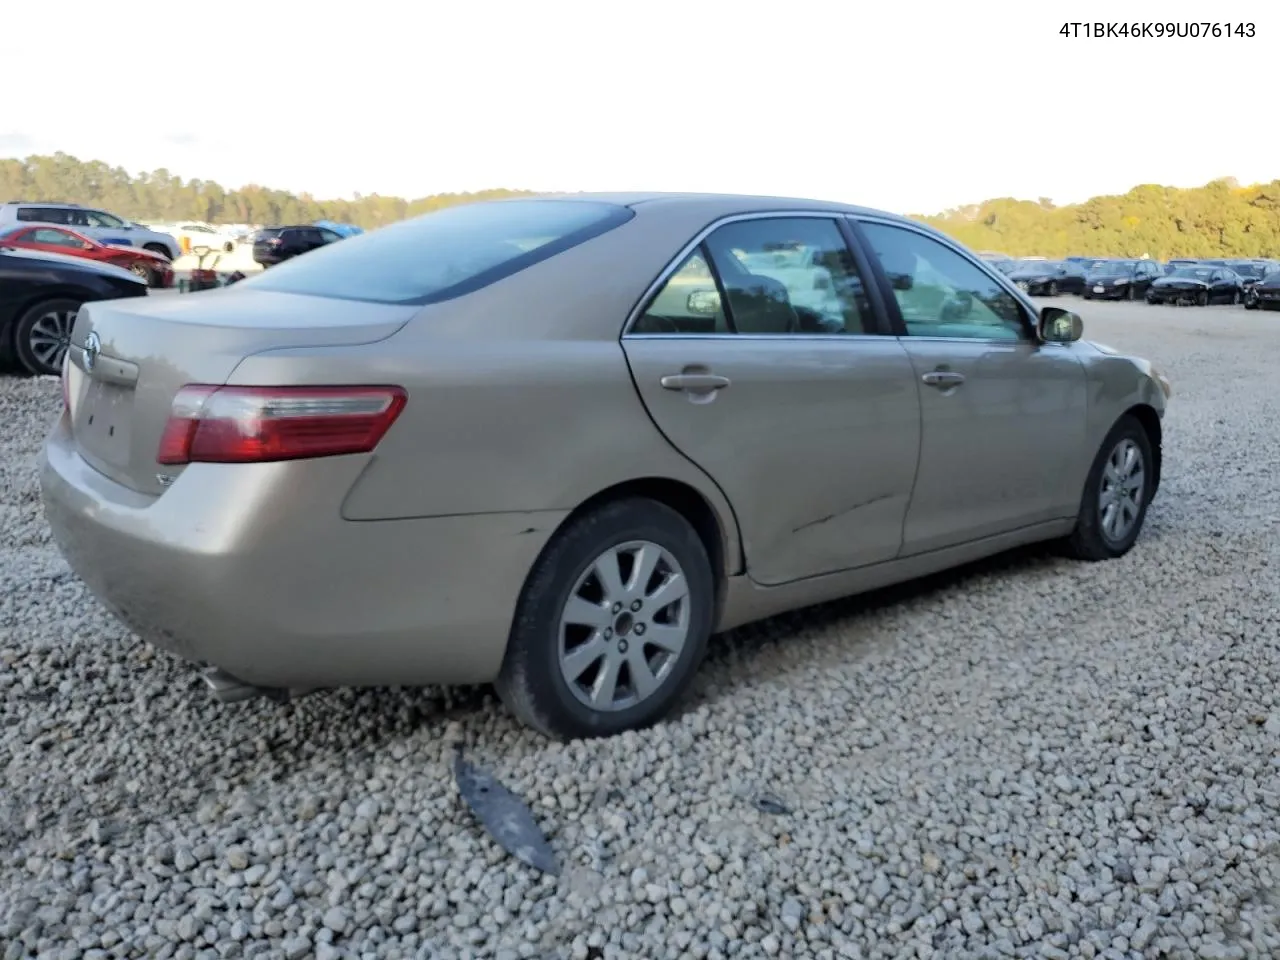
x: 556, y: 442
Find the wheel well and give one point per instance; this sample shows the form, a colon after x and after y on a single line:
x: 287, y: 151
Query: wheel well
x: 691, y: 505
x: 159, y: 248
x: 1150, y: 421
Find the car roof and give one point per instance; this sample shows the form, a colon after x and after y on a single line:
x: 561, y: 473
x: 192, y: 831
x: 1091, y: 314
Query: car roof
x: 714, y: 204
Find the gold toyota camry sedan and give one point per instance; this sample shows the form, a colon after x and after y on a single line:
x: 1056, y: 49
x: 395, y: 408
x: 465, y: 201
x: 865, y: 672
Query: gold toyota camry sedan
x: 555, y: 443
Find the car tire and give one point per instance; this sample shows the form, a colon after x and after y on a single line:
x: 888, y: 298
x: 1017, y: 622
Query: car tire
x: 1250, y: 304
x: 1202, y: 298
x: 1235, y: 298
x: 144, y: 272
x: 1086, y: 296
x: 1132, y: 293
x: 31, y: 334
x: 1053, y: 288
x: 160, y: 249
x: 1090, y: 540
x: 534, y: 680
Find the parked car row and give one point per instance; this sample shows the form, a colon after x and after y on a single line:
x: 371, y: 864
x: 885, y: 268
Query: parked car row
x: 1252, y: 282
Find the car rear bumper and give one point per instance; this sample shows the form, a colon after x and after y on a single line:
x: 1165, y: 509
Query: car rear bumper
x: 251, y: 568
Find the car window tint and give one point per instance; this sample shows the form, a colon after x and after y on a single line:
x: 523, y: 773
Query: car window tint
x: 789, y: 275
x: 941, y: 293
x: 44, y: 214
x: 688, y: 302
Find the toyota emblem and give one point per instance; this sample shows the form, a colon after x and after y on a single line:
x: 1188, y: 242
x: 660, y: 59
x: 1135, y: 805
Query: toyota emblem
x: 92, y: 347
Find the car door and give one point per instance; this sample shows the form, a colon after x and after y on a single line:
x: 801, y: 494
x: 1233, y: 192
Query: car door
x: 761, y: 355
x: 1003, y: 415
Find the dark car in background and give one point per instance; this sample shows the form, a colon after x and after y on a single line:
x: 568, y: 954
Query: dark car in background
x: 1048, y: 278
x: 1201, y: 284
x: 40, y: 296
x: 1120, y: 279
x: 1173, y: 265
x: 1265, y: 293
x: 273, y: 245
x: 1250, y: 272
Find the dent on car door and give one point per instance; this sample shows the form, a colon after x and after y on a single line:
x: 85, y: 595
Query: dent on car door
x: 772, y: 374
x: 1003, y: 415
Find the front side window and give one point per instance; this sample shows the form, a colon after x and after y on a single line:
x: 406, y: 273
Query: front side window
x: 57, y: 237
x: 96, y: 218
x: 941, y: 293
x: 444, y: 254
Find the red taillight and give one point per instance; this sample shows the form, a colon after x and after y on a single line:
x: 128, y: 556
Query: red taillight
x: 210, y: 424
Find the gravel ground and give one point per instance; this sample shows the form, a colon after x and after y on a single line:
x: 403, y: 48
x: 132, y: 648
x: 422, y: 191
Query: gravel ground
x: 1031, y: 758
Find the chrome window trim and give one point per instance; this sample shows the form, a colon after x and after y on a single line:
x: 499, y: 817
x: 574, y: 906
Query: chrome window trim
x: 1000, y: 278
x: 652, y: 290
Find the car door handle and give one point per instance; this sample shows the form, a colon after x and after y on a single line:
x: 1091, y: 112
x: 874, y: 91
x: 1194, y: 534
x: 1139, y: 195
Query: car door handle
x: 695, y: 382
x: 943, y: 378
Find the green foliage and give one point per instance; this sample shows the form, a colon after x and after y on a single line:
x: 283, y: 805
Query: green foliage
x: 1220, y: 219
x: 160, y: 195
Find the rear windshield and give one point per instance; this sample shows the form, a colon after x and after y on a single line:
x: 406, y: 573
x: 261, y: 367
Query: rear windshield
x: 444, y: 254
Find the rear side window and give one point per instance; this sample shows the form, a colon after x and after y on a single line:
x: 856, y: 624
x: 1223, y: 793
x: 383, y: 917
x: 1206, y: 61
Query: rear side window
x: 443, y: 255
x: 43, y: 215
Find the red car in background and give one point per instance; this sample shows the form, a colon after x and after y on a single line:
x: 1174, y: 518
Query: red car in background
x: 151, y: 267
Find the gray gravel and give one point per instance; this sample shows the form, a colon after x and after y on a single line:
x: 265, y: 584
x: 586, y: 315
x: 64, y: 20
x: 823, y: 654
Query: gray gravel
x: 1035, y: 758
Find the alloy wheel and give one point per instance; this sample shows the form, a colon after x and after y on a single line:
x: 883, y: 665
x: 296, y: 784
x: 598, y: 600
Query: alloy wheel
x: 623, y: 626
x: 1122, y: 490
x: 50, y: 337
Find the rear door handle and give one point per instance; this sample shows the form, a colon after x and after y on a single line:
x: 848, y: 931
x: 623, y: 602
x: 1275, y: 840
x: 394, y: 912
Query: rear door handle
x: 695, y: 382
x: 943, y: 378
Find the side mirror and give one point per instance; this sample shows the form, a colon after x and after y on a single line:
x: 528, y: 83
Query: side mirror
x: 1059, y: 326
x: 704, y: 302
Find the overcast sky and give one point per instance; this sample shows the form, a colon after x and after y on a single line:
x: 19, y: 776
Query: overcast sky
x: 912, y: 107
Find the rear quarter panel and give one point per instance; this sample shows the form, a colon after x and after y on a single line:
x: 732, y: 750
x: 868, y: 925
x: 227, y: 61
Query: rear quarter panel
x: 520, y: 397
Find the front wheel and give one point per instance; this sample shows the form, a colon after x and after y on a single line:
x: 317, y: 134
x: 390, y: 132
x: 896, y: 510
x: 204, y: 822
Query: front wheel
x: 1133, y: 292
x: 42, y: 335
x: 158, y: 249
x: 612, y: 623
x: 143, y: 272
x: 1053, y: 288
x: 1116, y: 494
x: 1202, y: 298
x: 1251, y: 303
x: 1235, y: 298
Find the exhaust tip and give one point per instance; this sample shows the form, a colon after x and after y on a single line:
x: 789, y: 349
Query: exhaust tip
x: 225, y: 688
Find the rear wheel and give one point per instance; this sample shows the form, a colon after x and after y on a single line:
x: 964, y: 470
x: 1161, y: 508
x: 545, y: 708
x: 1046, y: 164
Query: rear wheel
x: 1116, y: 494
x: 612, y: 623
x: 1202, y: 298
x: 42, y: 335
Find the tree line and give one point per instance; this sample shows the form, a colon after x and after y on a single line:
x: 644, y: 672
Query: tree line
x: 1220, y: 219
x: 161, y: 195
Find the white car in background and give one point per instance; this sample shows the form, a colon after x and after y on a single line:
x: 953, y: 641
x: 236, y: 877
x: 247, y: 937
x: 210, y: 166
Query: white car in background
x: 199, y: 234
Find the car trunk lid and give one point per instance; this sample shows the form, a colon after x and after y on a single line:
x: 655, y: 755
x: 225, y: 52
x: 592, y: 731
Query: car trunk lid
x: 129, y: 358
